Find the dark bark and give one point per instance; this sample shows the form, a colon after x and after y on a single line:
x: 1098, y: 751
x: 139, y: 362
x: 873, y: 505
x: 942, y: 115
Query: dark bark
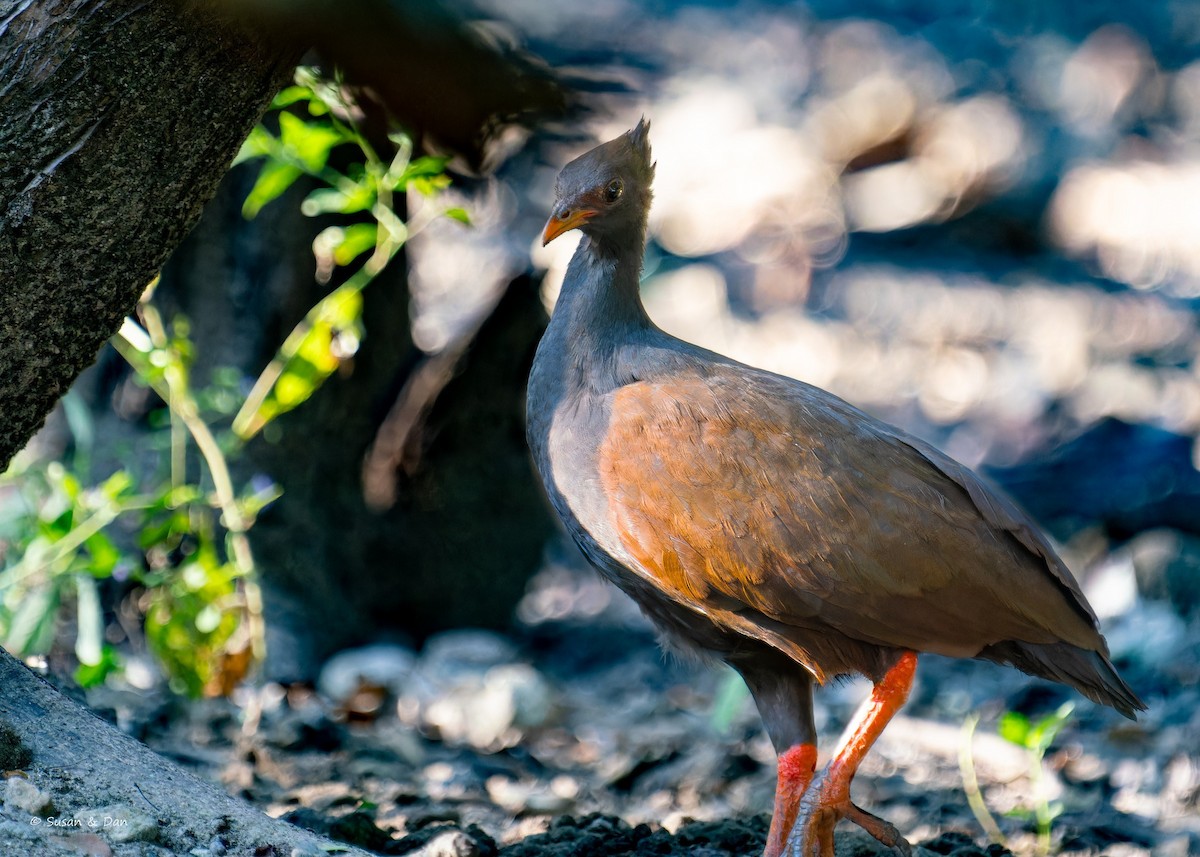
x: 452, y: 87
x: 120, y: 117
x: 449, y: 523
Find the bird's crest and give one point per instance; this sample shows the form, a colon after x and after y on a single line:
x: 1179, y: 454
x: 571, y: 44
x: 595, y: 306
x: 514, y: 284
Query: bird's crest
x: 639, y: 141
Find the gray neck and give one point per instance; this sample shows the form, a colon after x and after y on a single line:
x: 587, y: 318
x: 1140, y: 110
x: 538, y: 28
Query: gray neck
x: 600, y: 294
x: 599, y: 310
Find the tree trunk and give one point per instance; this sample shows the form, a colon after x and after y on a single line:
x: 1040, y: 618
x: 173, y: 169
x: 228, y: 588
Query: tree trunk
x: 120, y: 117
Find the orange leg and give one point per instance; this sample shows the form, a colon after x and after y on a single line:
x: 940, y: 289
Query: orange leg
x: 796, y: 767
x: 828, y: 799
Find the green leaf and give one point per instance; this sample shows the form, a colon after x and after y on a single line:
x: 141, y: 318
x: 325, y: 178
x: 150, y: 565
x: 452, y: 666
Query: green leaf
x: 32, y: 629
x: 329, y: 200
x: 274, y: 178
x: 425, y: 167
x: 89, y: 635
x: 429, y: 186
x: 307, y: 360
x: 358, y: 238
x: 1014, y: 727
x: 103, y: 555
x: 117, y: 486
x: 309, y: 143
x: 425, y: 175
x: 290, y: 95
x: 1043, y: 733
x: 185, y: 628
x: 57, y: 527
x: 259, y: 144
x: 93, y: 676
x: 252, y: 502
x: 459, y: 214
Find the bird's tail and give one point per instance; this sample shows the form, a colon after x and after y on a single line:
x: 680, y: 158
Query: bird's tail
x: 1089, y: 672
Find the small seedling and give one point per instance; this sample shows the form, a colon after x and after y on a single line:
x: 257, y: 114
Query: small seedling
x: 1035, y: 737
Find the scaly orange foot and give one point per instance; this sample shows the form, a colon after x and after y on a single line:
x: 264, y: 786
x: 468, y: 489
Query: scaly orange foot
x: 825, y: 803
x: 827, y: 799
x: 796, y: 766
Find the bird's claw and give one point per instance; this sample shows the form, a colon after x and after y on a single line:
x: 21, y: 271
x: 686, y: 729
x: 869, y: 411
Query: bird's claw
x: 821, y: 809
x: 882, y: 830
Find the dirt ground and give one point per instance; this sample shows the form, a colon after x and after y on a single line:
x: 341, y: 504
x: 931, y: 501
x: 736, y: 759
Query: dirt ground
x: 575, y: 735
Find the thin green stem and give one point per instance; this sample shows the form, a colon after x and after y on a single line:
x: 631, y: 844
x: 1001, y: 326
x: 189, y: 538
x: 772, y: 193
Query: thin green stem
x: 248, y: 420
x: 1041, y: 806
x: 176, y: 393
x: 966, y: 764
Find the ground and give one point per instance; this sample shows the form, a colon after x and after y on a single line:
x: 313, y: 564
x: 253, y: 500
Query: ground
x: 576, y: 735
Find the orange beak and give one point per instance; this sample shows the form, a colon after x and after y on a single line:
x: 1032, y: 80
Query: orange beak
x: 564, y: 220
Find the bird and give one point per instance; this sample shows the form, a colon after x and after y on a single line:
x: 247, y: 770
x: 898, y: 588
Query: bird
x: 766, y: 523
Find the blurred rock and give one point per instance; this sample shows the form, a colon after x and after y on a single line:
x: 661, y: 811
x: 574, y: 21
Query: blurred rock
x: 1111, y: 586
x: 453, y: 654
x: 356, y: 828
x: 1167, y: 567
x: 1129, y: 477
x: 23, y: 795
x: 493, y: 710
x: 308, y: 729
x: 1179, y: 845
x: 1149, y: 634
x: 442, y: 841
x: 383, y: 665
x: 953, y: 843
x: 452, y: 843
x: 553, y: 798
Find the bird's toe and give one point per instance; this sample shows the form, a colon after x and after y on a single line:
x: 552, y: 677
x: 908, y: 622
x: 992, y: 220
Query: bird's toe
x: 826, y: 803
x: 881, y: 829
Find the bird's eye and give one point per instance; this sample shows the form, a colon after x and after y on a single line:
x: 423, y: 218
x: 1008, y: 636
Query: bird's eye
x: 613, y: 192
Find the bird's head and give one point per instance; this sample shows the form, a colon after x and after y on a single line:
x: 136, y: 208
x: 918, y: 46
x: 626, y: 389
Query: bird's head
x: 605, y: 192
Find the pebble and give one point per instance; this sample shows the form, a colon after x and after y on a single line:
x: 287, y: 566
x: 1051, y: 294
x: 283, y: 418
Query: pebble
x: 384, y: 665
x: 449, y: 656
x: 1167, y: 567
x: 492, y: 711
x: 452, y: 843
x: 554, y: 798
x: 23, y: 795
x: 1150, y: 633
